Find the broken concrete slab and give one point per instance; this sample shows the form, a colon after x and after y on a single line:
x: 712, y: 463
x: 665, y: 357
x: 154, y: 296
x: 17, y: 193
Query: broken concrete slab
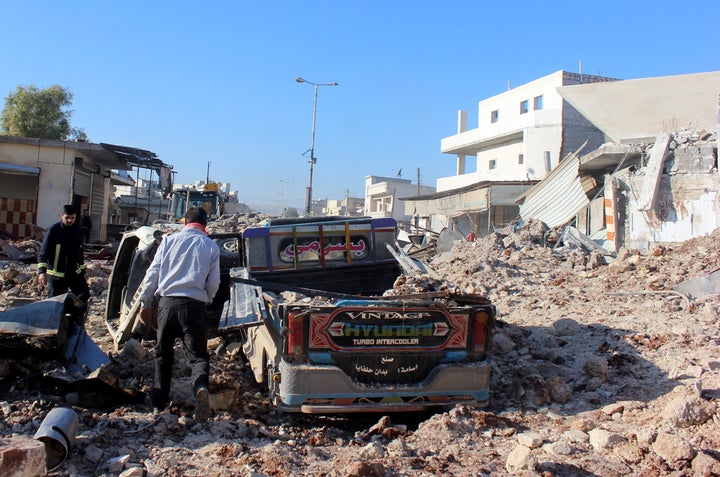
x: 701, y: 287
x: 653, y: 170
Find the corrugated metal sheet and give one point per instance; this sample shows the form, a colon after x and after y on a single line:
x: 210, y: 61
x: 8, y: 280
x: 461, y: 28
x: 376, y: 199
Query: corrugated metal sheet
x: 558, y: 198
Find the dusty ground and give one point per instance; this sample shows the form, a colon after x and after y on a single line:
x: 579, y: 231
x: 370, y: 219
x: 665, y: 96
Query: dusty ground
x: 599, y: 369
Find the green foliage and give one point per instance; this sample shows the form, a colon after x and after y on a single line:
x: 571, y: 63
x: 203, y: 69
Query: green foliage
x: 291, y: 212
x: 40, y: 113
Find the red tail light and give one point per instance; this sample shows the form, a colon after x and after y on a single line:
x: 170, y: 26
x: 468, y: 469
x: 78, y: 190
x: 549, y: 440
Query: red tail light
x: 295, y: 337
x: 479, y: 336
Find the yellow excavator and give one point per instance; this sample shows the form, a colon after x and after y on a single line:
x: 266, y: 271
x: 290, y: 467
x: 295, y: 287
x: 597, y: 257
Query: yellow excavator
x: 208, y: 197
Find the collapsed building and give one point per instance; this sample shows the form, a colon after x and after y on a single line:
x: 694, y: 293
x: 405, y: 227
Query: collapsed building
x: 655, y: 182
x: 623, y: 162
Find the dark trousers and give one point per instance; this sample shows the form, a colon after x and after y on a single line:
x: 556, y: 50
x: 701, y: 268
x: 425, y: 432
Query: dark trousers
x: 184, y: 318
x: 75, y: 283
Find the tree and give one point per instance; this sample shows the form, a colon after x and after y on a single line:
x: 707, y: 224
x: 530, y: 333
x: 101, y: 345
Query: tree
x: 291, y: 212
x: 41, y: 113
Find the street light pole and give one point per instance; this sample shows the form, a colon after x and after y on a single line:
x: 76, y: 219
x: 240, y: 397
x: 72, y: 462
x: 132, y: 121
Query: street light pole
x: 284, y: 200
x: 313, y: 159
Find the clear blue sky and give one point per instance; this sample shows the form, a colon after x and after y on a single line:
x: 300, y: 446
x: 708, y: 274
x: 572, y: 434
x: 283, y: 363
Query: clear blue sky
x: 214, y: 81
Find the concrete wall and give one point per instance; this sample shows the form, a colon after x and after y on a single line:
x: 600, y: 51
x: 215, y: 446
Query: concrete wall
x: 640, y: 108
x: 686, y: 203
x: 56, y: 161
x: 576, y: 130
x: 54, y: 181
x: 685, y: 207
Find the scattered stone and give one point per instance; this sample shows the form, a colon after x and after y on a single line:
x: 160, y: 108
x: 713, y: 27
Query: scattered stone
x: 596, y: 367
x: 502, y: 343
x: 577, y: 436
x: 519, y: 459
x: 531, y: 440
x: 135, y: 471
x: 558, y: 448
x: 373, y: 450
x: 672, y: 449
x: 687, y: 411
x: 364, y: 469
x: 705, y: 464
x: 616, y: 408
x: 22, y: 457
x: 560, y: 392
x: 601, y: 439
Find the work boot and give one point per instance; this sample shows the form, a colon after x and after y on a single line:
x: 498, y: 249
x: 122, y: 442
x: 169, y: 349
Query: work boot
x: 202, y: 404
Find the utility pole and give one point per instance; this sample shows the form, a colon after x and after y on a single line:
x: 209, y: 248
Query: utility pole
x: 313, y: 159
x: 284, y: 199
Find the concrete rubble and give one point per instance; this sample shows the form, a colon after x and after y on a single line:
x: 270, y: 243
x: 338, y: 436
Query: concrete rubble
x: 600, y: 367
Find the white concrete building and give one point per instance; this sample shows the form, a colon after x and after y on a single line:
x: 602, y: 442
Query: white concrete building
x: 522, y: 133
x: 383, y: 196
x: 521, y: 136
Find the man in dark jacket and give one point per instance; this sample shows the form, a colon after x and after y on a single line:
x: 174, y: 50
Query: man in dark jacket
x: 61, y: 265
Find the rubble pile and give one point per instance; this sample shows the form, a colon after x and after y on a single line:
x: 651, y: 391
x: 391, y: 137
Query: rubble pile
x: 600, y: 367
x: 236, y: 223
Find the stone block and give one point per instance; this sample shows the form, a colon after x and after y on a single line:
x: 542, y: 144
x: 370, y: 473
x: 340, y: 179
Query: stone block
x: 22, y: 457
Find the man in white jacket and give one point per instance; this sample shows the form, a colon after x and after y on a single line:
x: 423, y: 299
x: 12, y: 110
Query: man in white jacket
x: 185, y: 275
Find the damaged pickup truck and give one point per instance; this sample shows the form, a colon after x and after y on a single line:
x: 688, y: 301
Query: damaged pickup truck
x: 310, y: 300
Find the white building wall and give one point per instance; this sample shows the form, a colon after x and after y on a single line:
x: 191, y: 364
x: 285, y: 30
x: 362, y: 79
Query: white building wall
x: 533, y: 132
x: 382, y: 196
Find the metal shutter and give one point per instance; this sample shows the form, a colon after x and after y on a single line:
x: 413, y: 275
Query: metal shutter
x: 97, y: 199
x: 82, y: 182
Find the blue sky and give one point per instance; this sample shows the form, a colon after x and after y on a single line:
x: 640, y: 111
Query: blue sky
x: 214, y: 81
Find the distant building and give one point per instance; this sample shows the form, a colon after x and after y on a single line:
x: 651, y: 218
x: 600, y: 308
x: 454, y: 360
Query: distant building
x: 385, y: 197
x: 142, y: 203
x: 345, y: 207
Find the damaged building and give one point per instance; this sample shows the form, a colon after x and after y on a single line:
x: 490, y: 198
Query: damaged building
x: 37, y: 176
x: 521, y: 136
x: 657, y: 180
x: 625, y: 162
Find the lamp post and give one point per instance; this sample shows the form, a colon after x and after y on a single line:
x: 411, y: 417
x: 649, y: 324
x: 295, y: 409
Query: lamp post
x: 284, y: 199
x: 313, y: 159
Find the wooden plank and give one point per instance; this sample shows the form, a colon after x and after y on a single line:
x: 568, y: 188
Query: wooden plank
x: 653, y: 172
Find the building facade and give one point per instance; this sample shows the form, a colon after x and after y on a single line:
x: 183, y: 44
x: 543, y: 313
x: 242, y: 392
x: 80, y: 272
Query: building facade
x: 38, y: 176
x: 385, y: 197
x: 522, y: 134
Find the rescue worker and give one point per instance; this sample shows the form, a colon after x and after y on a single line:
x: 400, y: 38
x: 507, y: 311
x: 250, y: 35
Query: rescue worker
x: 61, y: 265
x: 185, y: 274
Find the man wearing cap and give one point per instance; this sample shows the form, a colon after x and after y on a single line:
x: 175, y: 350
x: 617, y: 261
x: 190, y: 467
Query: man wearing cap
x: 61, y: 265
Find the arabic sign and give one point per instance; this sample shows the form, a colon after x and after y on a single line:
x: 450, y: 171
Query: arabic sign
x: 335, y: 248
x: 387, y: 328
x: 389, y: 368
